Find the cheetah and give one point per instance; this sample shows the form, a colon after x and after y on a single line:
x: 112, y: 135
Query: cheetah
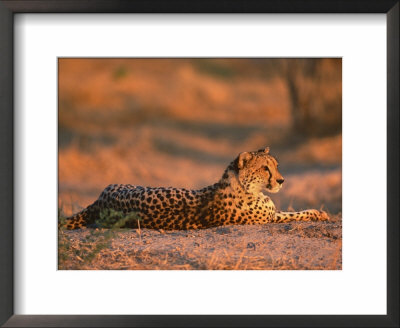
x: 237, y: 198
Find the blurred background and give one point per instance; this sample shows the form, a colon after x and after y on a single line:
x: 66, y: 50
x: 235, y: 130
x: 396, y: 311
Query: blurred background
x: 180, y: 122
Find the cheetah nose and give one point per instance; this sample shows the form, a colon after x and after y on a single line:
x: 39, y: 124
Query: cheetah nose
x: 280, y: 181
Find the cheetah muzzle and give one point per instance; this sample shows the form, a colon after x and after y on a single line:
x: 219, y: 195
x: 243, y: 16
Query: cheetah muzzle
x: 237, y: 198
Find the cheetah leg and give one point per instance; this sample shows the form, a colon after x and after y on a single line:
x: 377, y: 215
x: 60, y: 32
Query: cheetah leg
x: 83, y: 218
x: 307, y: 215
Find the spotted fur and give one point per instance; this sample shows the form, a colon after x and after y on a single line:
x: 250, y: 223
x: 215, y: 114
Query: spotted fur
x: 236, y: 199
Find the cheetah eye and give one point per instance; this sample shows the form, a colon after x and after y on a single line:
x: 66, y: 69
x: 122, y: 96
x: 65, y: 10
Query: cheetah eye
x: 266, y: 168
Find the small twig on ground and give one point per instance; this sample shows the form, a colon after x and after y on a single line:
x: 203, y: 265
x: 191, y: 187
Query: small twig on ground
x: 239, y: 261
x: 140, y: 233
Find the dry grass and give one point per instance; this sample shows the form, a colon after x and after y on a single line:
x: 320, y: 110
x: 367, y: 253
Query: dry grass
x: 291, y: 246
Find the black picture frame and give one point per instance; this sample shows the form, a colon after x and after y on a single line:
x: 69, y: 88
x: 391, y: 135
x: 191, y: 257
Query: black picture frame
x: 11, y: 7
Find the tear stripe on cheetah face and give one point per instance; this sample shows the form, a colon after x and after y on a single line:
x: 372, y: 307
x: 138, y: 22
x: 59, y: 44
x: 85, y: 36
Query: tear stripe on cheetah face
x: 236, y: 198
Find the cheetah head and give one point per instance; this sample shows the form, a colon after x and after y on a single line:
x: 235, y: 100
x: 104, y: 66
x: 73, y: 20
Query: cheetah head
x: 258, y: 171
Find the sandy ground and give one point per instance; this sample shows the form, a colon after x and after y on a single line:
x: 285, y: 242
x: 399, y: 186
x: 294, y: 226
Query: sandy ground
x: 285, y: 246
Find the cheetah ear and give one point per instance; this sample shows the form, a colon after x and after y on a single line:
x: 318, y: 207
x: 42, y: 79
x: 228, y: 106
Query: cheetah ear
x: 243, y: 158
x: 266, y: 150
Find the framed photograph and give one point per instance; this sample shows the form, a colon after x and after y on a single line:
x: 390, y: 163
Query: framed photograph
x: 217, y: 218
x: 217, y: 164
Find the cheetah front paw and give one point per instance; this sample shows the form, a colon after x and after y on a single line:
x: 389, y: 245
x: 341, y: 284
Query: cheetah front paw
x: 319, y: 215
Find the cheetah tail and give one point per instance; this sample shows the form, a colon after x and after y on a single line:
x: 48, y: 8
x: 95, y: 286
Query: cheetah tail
x: 83, y: 218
